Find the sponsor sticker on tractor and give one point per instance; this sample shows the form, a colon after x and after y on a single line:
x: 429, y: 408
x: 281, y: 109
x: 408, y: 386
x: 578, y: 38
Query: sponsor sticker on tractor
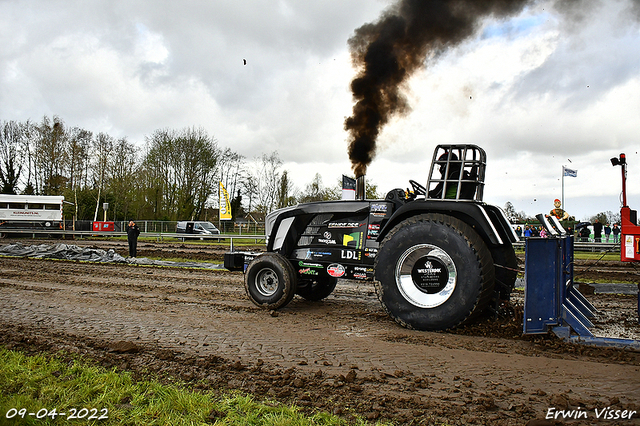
x: 430, y: 275
x: 336, y: 270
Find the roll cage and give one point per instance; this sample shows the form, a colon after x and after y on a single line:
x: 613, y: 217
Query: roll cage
x: 459, y: 170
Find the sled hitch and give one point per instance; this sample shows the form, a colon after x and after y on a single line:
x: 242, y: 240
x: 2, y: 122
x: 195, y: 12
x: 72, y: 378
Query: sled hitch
x: 552, y: 303
x: 238, y: 260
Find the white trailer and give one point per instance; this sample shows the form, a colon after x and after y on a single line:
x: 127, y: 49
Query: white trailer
x: 30, y: 212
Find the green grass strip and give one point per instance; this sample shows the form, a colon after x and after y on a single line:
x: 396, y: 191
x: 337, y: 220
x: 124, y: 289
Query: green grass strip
x: 582, y: 255
x: 587, y: 255
x: 40, y: 384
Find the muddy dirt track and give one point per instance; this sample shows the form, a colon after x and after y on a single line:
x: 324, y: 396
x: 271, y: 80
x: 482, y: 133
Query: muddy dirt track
x: 343, y: 355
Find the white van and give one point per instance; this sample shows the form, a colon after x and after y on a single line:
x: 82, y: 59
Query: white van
x: 196, y: 227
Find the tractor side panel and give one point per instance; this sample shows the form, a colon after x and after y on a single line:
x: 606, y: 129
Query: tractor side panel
x: 341, y: 244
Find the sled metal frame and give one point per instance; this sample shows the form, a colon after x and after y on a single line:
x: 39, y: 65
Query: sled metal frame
x: 551, y: 302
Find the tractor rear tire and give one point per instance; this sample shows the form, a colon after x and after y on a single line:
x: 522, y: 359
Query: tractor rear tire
x: 318, y: 288
x: 434, y: 272
x: 270, y: 281
x: 506, y: 265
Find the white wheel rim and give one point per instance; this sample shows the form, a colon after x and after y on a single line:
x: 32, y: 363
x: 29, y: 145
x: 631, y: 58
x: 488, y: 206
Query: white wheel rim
x: 439, y: 261
x: 267, y: 282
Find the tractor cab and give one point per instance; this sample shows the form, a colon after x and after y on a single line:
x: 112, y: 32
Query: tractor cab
x: 457, y: 173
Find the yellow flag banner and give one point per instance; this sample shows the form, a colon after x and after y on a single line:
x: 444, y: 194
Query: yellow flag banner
x: 225, y: 205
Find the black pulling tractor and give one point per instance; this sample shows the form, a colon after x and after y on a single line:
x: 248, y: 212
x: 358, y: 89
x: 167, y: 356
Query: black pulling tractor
x: 438, y: 255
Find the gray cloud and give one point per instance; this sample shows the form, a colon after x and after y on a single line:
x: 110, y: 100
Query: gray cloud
x: 596, y: 52
x: 519, y: 88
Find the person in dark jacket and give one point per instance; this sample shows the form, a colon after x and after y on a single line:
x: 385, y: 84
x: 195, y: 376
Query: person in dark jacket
x: 597, y: 231
x: 132, y: 237
x: 584, y: 234
x: 616, y: 233
x: 607, y: 233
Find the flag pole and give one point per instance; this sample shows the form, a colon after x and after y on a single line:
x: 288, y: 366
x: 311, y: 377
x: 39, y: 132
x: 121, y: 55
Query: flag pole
x: 563, y: 207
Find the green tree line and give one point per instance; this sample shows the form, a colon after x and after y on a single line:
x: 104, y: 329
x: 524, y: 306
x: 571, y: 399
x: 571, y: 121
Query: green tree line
x: 174, y: 176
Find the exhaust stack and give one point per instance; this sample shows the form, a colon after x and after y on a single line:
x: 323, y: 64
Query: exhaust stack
x: 360, y: 188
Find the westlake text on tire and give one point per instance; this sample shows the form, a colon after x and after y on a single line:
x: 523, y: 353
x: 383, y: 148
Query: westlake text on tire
x: 434, y: 272
x: 270, y: 281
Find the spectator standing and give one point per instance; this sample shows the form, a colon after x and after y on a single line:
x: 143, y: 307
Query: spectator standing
x: 132, y: 237
x: 616, y: 233
x: 584, y: 234
x: 597, y: 231
x: 527, y: 231
x: 607, y: 232
x: 519, y: 231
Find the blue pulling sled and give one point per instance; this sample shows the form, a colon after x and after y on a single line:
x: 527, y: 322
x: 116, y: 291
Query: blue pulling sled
x: 552, y: 303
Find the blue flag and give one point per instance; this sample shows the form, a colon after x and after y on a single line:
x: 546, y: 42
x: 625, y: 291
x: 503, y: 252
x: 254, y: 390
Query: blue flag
x: 569, y: 172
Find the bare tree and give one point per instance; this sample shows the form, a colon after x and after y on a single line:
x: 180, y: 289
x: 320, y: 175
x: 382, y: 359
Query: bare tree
x: 251, y: 189
x: 231, y: 170
x: 201, y: 168
x: 49, y: 153
x: 155, y: 176
x: 102, y: 150
x: 606, y: 217
x: 514, y: 216
x: 123, y: 167
x: 266, y: 178
x: 29, y: 141
x: 510, y: 212
x: 371, y: 191
x: 179, y: 169
x: 286, y: 191
x: 314, y: 191
x: 78, y: 163
x: 11, y: 139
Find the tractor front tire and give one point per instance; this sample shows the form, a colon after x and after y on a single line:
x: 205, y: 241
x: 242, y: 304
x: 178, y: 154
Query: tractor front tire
x: 270, y: 281
x: 434, y: 272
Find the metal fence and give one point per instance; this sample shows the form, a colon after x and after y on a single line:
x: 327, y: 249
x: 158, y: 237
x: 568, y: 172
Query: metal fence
x: 160, y: 230
x: 163, y: 227
x: 583, y: 246
x: 229, y: 231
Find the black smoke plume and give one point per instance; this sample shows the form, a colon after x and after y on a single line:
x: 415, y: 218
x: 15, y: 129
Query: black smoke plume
x: 389, y: 51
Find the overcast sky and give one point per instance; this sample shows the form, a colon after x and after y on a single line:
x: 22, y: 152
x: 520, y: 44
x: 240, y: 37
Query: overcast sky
x: 549, y: 87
